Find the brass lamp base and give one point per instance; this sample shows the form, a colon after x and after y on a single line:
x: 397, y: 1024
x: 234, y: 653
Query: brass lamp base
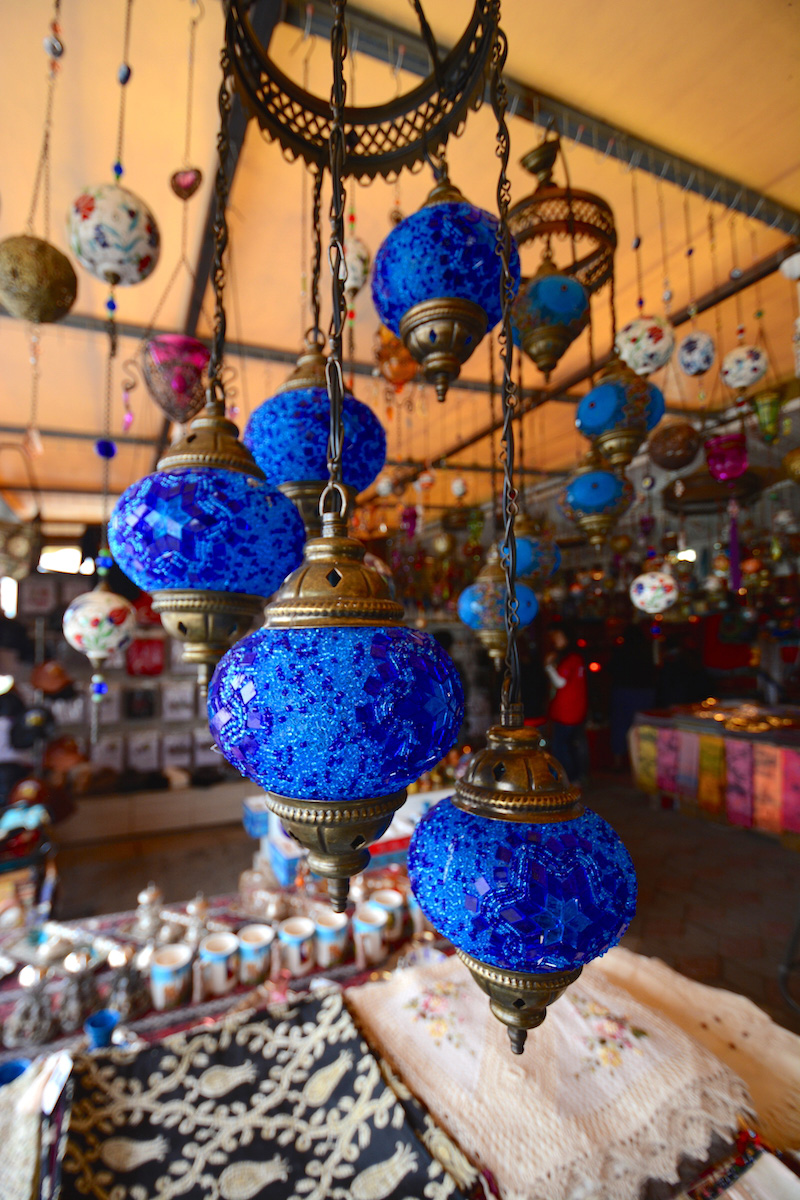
x: 336, y: 834
x: 206, y: 624
x: 441, y: 334
x: 546, y: 345
x: 516, y: 998
x: 596, y: 526
x: 619, y: 446
x: 495, y: 643
x: 305, y: 495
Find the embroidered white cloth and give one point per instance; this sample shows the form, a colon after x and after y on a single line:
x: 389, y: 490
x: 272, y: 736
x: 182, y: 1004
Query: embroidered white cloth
x: 608, y: 1093
x: 763, y: 1054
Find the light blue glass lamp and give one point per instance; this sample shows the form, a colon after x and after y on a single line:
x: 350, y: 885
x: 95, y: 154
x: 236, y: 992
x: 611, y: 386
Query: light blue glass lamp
x: 619, y: 412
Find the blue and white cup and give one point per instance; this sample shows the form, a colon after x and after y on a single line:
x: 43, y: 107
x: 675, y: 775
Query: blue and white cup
x: 170, y: 975
x: 393, y: 904
x: 296, y: 936
x: 219, y: 959
x: 100, y: 1026
x: 255, y: 953
x: 331, y: 937
x: 369, y: 933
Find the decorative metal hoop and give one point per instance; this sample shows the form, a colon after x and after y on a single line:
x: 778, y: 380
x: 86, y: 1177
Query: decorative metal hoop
x: 379, y: 140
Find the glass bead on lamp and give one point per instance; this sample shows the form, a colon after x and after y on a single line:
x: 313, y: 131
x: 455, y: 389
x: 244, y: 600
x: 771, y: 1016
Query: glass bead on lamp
x: 436, y: 282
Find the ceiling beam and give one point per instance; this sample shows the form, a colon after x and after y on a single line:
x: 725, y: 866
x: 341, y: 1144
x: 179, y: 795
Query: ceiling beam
x: 381, y: 40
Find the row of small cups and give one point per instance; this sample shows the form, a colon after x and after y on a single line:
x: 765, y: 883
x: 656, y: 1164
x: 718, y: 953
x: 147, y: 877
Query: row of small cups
x: 303, y: 943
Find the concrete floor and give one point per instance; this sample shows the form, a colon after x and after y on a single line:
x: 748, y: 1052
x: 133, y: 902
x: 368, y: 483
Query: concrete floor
x: 716, y: 902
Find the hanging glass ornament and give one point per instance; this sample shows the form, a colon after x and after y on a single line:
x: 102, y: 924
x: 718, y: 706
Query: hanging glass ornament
x: 459, y: 488
x: 37, y: 282
x: 288, y: 437
x: 791, y: 464
x: 184, y: 183
x: 113, y: 235
x: 696, y: 353
x: 767, y: 408
x: 357, y: 261
x: 173, y: 366
x: 646, y: 344
x: 482, y: 607
x: 620, y: 543
x: 538, y: 555
x: 436, y: 282
x: 594, y: 498
x: 525, y: 882
x: 549, y: 312
x: 674, y: 445
x: 618, y: 413
x: 21, y: 540
x: 726, y: 456
x: 334, y: 707
x: 395, y: 362
x: 654, y: 591
x: 98, y: 623
x: 744, y: 366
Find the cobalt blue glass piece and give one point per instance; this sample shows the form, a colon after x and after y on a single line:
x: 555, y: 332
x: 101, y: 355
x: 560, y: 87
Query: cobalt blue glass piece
x: 483, y: 604
x: 206, y: 528
x: 288, y: 437
x: 549, y: 299
x: 446, y: 249
x: 522, y: 897
x: 594, y: 492
x: 335, y: 713
x: 603, y: 408
x: 537, y: 556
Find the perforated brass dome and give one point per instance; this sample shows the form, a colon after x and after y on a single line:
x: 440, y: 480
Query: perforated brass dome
x: 211, y: 441
x: 37, y: 282
x: 514, y: 779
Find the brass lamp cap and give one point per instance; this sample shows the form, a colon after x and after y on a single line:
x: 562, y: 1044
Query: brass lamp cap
x: 513, y: 779
x: 444, y: 192
x: 332, y: 586
x: 309, y: 371
x: 541, y: 160
x: 211, y: 441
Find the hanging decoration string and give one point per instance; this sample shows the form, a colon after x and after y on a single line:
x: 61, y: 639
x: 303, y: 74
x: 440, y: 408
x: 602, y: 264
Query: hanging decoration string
x: 333, y: 367
x: 712, y: 245
x: 662, y: 227
x: 215, y: 395
x: 637, y: 243
x: 511, y: 712
x: 123, y: 75
x: 493, y: 456
x: 521, y: 434
x: 736, y: 272
x: 692, y: 307
x: 316, y: 259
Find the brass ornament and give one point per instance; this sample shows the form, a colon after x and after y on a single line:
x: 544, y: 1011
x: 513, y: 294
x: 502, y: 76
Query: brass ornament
x: 211, y: 440
x: 544, y: 344
x: 517, y: 999
x: 206, y: 624
x: 791, y: 464
x: 336, y: 835
x: 596, y: 526
x: 494, y: 641
x: 441, y: 334
x: 20, y: 547
x: 37, y: 281
x: 674, y: 445
x: 305, y: 495
x: 619, y: 446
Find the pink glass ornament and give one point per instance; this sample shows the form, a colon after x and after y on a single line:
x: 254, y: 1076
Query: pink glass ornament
x: 174, y: 366
x: 726, y: 456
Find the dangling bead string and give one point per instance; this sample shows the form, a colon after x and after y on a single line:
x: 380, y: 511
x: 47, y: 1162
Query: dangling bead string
x: 662, y: 226
x: 333, y: 367
x: 215, y: 395
x: 511, y: 711
x: 692, y: 307
x: 712, y: 246
x: 521, y: 435
x: 187, y: 141
x: 758, y: 314
x: 123, y: 75
x: 637, y: 242
x: 316, y: 258
x: 493, y: 439
x: 590, y: 336
x: 736, y: 272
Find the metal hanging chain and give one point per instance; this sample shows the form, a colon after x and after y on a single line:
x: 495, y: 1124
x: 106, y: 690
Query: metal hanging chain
x: 215, y: 395
x: 735, y: 273
x: 123, y: 76
x: 511, y: 712
x: 689, y: 260
x: 493, y: 438
x: 333, y: 367
x: 637, y: 242
x: 55, y: 48
x: 521, y: 433
x: 662, y: 227
x: 316, y: 259
x: 712, y: 246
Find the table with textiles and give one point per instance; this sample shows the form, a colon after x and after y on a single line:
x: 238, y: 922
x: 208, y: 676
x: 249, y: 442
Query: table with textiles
x: 404, y: 1086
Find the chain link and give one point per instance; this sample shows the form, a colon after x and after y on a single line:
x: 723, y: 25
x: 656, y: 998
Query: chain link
x: 216, y: 390
x: 508, y: 547
x: 316, y: 262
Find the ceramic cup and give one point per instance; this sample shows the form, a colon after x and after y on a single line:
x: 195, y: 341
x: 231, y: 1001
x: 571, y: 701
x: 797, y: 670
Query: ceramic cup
x: 170, y: 975
x: 297, y: 944
x: 393, y: 904
x: 331, y: 940
x: 219, y: 958
x: 369, y: 933
x: 100, y: 1026
x: 12, y: 1069
x: 255, y: 951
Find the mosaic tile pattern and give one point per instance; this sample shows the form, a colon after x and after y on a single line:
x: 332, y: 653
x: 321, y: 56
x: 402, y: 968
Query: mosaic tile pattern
x: 523, y: 897
x: 604, y: 408
x: 206, y: 528
x: 483, y: 604
x: 336, y: 713
x: 288, y: 437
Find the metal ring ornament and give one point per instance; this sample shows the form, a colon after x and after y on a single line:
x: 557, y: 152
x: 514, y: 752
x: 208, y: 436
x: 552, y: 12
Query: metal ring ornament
x: 381, y: 139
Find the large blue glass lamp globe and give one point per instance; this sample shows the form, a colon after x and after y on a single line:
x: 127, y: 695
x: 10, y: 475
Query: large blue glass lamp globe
x: 482, y: 606
x: 594, y: 498
x: 549, y: 312
x: 525, y: 882
x: 436, y: 282
x: 619, y: 412
x: 288, y: 437
x: 334, y: 707
x: 207, y: 537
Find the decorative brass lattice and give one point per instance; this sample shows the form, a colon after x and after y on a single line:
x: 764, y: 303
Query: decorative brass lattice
x: 379, y: 140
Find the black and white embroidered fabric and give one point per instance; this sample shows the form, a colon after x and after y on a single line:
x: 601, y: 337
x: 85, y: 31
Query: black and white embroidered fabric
x: 289, y: 1104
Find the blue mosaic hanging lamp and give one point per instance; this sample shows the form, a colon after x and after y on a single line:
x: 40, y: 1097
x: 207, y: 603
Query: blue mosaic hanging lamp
x: 482, y: 606
x: 595, y: 497
x: 619, y: 412
x: 549, y: 312
x: 525, y: 882
x: 288, y: 437
x: 538, y: 555
x: 436, y: 282
x: 334, y: 707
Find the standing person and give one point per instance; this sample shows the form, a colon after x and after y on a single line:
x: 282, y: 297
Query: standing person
x: 569, y: 706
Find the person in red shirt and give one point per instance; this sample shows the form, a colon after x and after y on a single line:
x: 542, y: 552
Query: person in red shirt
x: 569, y: 706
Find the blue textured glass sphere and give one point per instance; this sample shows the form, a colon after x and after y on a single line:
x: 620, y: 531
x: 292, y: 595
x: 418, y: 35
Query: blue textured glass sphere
x: 549, y: 299
x: 206, y: 528
x: 523, y: 897
x: 537, y: 556
x: 483, y: 604
x: 335, y: 713
x: 288, y: 437
x: 446, y: 249
x: 594, y: 492
x: 603, y: 408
